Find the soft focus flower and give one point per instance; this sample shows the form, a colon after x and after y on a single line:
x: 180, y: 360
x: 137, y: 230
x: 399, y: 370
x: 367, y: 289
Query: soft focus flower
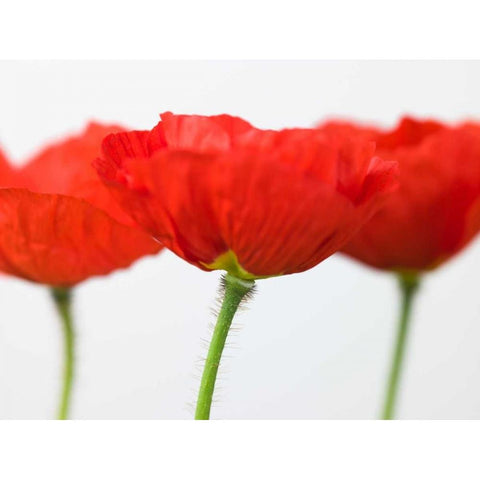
x: 58, y: 223
x: 222, y: 194
x: 436, y: 210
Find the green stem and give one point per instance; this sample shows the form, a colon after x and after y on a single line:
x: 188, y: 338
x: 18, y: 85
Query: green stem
x: 235, y: 291
x: 62, y: 298
x: 409, y: 283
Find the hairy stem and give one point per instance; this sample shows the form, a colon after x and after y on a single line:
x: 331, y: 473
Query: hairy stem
x: 409, y: 284
x: 235, y: 291
x: 62, y: 298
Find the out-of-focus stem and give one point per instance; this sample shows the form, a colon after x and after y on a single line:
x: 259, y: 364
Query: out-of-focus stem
x: 409, y: 284
x: 62, y: 298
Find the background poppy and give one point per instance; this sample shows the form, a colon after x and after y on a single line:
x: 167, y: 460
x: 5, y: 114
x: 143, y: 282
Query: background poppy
x: 59, y: 227
x: 433, y: 215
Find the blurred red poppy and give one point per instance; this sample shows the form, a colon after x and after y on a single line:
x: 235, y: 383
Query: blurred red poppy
x: 222, y: 194
x: 436, y: 210
x: 58, y: 223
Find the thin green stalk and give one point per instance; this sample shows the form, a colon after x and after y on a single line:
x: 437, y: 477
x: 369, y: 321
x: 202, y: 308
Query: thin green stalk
x: 62, y: 298
x: 235, y: 291
x: 409, y: 283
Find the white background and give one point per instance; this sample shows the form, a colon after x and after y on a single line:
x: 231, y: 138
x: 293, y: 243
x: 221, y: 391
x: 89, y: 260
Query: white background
x: 313, y: 345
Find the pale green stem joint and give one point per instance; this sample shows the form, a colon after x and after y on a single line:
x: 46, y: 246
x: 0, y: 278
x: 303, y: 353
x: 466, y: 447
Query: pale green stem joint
x: 235, y: 291
x: 409, y: 283
x: 62, y: 298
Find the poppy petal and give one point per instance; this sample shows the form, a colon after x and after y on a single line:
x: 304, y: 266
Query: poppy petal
x: 434, y: 212
x: 61, y: 241
x: 65, y: 168
x: 223, y: 194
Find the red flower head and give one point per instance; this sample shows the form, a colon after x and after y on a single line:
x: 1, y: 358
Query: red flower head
x: 222, y: 194
x: 436, y: 210
x: 58, y: 223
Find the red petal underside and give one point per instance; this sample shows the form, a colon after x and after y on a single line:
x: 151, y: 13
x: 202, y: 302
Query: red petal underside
x: 169, y: 195
x: 435, y: 211
x: 276, y: 218
x: 280, y: 220
x: 281, y: 201
x: 60, y: 241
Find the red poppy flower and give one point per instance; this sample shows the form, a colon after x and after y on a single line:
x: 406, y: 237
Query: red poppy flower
x: 436, y: 210
x: 58, y: 223
x: 222, y: 194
